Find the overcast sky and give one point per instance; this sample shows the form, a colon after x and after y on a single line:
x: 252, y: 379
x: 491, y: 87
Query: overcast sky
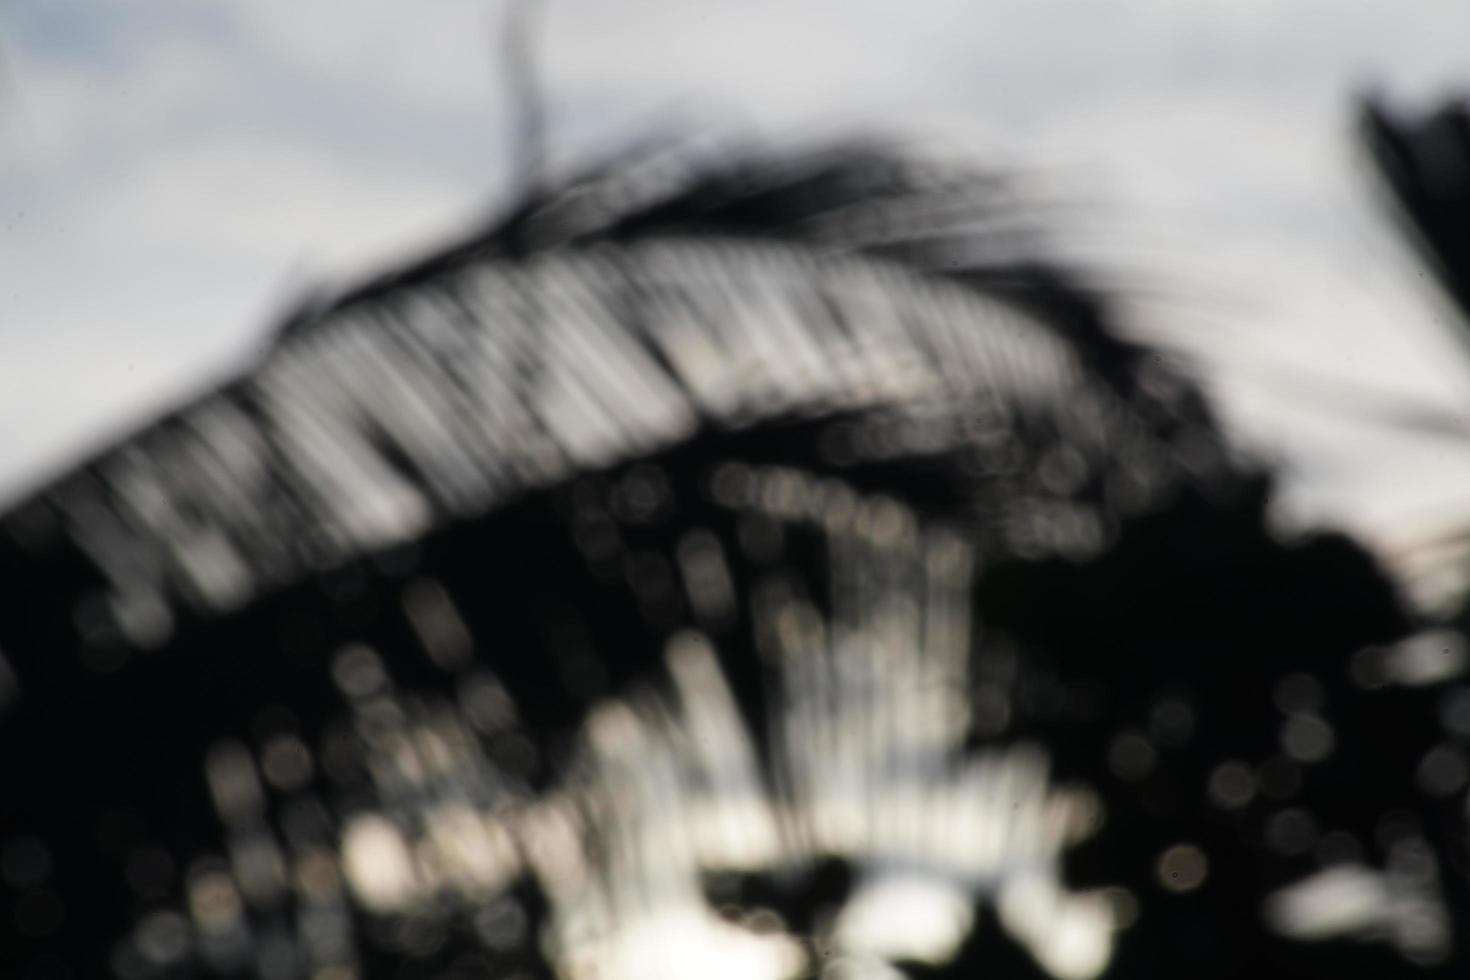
x: 175, y: 173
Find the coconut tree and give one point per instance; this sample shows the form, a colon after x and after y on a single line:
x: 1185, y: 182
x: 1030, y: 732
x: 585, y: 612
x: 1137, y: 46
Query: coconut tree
x: 751, y: 566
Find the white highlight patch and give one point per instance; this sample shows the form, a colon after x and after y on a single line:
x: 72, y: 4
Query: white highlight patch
x: 378, y: 865
x: 1427, y: 658
x: 906, y: 918
x: 1071, y: 936
x: 1331, y: 903
x: 686, y: 942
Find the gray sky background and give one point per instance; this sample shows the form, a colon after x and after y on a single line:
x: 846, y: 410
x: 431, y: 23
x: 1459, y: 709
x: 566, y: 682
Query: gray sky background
x: 174, y: 173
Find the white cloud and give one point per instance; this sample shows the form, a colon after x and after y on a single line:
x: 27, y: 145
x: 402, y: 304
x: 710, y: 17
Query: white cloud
x: 438, y: 54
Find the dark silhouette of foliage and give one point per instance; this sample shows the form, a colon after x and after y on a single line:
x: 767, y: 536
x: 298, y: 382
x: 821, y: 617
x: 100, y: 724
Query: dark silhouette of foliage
x: 465, y: 543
